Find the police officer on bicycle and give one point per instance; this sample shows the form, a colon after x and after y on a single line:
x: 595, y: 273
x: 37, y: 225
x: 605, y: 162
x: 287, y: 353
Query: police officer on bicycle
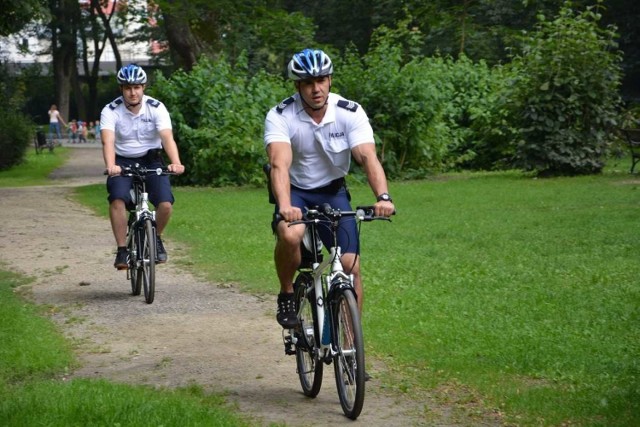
x: 135, y: 128
x: 310, y: 138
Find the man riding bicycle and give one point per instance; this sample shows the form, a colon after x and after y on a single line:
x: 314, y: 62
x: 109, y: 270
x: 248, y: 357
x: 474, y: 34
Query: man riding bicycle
x: 134, y: 128
x: 310, y: 138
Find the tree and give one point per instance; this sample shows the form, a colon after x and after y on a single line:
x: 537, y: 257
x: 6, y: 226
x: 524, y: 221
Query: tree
x: 566, y: 98
x: 17, y: 13
x: 65, y: 15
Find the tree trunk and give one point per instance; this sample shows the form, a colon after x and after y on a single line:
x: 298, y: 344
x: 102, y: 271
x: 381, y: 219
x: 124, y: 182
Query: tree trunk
x: 63, y: 50
x: 185, y: 47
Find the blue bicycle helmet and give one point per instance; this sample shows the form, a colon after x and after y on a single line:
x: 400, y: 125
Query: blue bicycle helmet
x: 309, y: 63
x: 131, y: 74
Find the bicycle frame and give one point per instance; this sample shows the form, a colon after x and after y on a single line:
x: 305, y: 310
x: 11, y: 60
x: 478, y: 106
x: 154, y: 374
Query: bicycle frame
x: 327, y: 274
x: 142, y: 213
x: 332, y: 272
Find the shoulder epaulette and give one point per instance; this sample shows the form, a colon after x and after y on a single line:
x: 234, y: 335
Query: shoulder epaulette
x: 153, y: 102
x: 115, y: 103
x: 348, y: 105
x: 280, y: 108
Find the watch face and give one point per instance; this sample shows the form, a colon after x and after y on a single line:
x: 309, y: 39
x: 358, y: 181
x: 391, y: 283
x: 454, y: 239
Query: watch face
x: 384, y: 197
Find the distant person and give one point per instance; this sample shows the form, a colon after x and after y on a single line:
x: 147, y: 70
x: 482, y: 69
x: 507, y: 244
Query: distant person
x: 73, y: 131
x: 55, y: 118
x: 96, y: 129
x: 82, y: 132
x: 135, y: 128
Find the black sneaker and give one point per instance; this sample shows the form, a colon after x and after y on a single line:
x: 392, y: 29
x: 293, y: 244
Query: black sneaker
x: 122, y: 260
x: 286, y: 315
x: 161, y: 253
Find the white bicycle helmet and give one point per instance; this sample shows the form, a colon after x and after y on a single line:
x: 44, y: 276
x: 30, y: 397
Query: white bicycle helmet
x: 131, y: 74
x: 309, y: 63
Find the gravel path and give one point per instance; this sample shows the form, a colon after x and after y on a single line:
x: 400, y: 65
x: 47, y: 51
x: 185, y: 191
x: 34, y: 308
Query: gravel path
x: 194, y: 332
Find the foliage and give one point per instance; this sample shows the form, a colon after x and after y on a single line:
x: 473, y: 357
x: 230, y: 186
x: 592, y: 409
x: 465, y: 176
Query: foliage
x: 218, y: 112
x: 17, y: 134
x: 565, y: 97
x: 18, y: 13
x: 264, y: 32
x: 477, y: 130
x: 429, y: 113
x: 401, y: 99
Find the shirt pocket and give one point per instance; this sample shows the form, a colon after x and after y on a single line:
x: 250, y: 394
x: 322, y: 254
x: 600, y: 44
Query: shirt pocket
x: 147, y: 130
x: 337, y: 145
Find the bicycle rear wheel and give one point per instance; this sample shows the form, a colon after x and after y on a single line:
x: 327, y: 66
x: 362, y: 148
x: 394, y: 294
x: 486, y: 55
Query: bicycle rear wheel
x: 147, y: 269
x: 349, y: 359
x: 308, y: 365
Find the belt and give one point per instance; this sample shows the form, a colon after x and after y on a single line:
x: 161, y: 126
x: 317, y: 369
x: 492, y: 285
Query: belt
x: 150, y: 156
x: 331, y: 188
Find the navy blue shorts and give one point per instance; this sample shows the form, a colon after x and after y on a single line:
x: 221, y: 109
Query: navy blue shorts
x: 158, y: 186
x: 347, y: 232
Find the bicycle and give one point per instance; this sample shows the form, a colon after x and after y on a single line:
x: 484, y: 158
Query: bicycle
x: 141, y: 233
x: 329, y: 328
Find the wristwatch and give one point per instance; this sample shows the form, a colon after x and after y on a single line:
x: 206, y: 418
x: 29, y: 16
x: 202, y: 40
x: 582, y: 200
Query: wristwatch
x: 384, y: 197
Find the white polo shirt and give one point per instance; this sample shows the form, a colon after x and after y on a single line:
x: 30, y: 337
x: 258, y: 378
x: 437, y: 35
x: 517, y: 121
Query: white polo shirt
x: 136, y: 133
x: 321, y: 152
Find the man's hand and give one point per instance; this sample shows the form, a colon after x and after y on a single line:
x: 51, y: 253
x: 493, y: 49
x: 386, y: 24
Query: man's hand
x: 384, y: 208
x: 176, y: 168
x: 114, y: 170
x: 290, y: 213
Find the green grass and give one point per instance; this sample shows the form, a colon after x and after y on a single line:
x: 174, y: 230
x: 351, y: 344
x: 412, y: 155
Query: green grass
x: 500, y: 292
x: 35, y: 169
x: 34, y: 358
x: 523, y: 290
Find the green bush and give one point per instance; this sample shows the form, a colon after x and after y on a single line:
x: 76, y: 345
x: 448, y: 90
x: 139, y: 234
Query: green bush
x: 16, y: 133
x: 404, y: 101
x: 431, y: 113
x: 565, y: 98
x: 218, y: 112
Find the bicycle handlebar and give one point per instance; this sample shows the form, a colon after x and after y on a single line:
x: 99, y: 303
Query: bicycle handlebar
x: 327, y: 213
x: 142, y: 171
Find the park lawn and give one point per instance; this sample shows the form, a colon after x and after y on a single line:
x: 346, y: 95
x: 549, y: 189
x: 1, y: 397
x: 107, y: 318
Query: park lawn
x: 35, y: 169
x: 34, y: 361
x: 511, y: 293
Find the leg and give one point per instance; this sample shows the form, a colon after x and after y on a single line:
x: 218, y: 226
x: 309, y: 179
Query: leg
x: 163, y: 214
x: 351, y: 268
x: 287, y: 259
x: 118, y: 217
x: 287, y: 254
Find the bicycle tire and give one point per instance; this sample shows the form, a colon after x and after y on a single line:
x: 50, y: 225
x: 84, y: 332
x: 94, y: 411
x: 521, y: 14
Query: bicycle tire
x: 148, y: 260
x: 135, y: 275
x: 308, y: 365
x: 349, y: 345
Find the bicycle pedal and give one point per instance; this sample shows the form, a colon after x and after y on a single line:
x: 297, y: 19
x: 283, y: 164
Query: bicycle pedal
x: 288, y: 345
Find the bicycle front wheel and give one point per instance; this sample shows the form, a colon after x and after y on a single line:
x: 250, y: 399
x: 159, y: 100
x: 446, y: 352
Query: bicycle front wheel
x: 147, y: 269
x: 135, y: 273
x: 308, y: 365
x: 349, y: 359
